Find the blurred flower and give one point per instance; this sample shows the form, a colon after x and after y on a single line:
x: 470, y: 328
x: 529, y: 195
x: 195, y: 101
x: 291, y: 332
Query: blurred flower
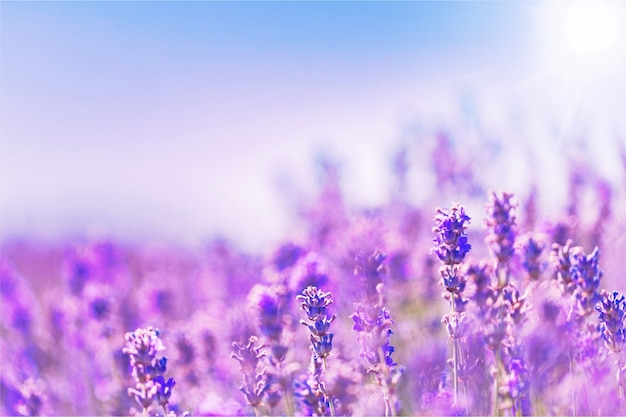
x: 586, y: 276
x: 372, y: 323
x: 254, y: 380
x: 562, y: 263
x: 612, y: 310
x: 308, y: 272
x: 268, y: 307
x: 531, y: 246
x: 33, y: 397
x: 500, y: 220
x: 370, y: 271
x: 287, y: 255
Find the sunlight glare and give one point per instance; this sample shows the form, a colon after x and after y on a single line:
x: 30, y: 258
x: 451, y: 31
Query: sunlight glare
x: 591, y: 27
x: 582, y: 40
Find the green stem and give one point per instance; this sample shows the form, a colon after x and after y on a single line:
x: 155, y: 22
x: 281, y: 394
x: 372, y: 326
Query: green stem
x: 571, y: 371
x: 332, y: 406
x: 287, y: 404
x: 454, y: 356
x: 465, y: 395
x: 328, y: 397
x: 390, y: 409
x: 496, y: 400
x: 619, y: 383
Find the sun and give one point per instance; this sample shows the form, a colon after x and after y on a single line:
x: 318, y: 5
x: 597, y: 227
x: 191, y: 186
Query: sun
x: 577, y: 64
x: 582, y: 39
x: 591, y: 26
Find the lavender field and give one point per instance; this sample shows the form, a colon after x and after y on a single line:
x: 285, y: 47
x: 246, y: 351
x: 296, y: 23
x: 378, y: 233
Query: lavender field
x: 397, y: 310
x: 313, y: 208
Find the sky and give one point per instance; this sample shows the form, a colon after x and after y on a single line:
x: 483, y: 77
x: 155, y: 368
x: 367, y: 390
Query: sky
x: 184, y: 121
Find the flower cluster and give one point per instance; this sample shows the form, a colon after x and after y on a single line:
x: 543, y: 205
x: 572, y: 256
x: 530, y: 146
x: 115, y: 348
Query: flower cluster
x: 142, y: 346
x: 612, y: 310
x: 372, y: 322
x: 311, y: 389
x: 314, y: 304
x: 451, y: 242
x: 501, y: 223
x: 451, y: 247
x: 586, y: 276
x: 531, y: 247
x: 254, y: 380
x: 373, y: 326
x: 579, y: 274
x: 268, y: 305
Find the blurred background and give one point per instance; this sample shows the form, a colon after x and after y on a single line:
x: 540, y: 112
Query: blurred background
x: 187, y: 121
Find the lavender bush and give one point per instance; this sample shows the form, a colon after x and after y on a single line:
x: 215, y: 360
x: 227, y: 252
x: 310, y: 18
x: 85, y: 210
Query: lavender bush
x: 344, y: 317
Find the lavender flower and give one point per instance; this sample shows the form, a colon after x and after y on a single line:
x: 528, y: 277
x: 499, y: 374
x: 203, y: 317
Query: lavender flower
x: 560, y: 258
x: 451, y: 247
x: 287, y: 256
x: 501, y: 223
x: 309, y: 392
x: 579, y: 274
x: 451, y: 243
x: 612, y: 309
x: 268, y: 306
x: 373, y: 326
x: 32, y: 398
x: 515, y: 389
x: 308, y: 272
x: 142, y: 346
x: 370, y: 271
x: 254, y: 380
x: 314, y: 303
x: 586, y: 276
x: 531, y: 247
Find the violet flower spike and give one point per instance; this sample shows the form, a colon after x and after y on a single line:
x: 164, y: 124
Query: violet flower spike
x: 612, y: 311
x: 254, y: 381
x: 314, y: 304
x: 451, y: 245
x: 142, y: 346
x: 372, y: 324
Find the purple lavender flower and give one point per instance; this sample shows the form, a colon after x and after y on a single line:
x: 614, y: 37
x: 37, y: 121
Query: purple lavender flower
x: 308, y: 272
x: 531, y: 247
x: 579, y: 274
x: 516, y: 387
x: 370, y: 271
x: 501, y: 223
x: 451, y: 243
x: 373, y: 326
x: 143, y: 346
x: 310, y: 395
x: 33, y: 398
x: 268, y: 306
x: 451, y: 247
x: 287, y: 256
x: 586, y: 276
x: 254, y: 380
x: 612, y: 310
x: 484, y: 295
x: 314, y: 303
x: 562, y: 261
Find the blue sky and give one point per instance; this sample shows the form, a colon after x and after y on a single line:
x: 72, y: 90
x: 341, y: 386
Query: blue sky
x: 174, y: 120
